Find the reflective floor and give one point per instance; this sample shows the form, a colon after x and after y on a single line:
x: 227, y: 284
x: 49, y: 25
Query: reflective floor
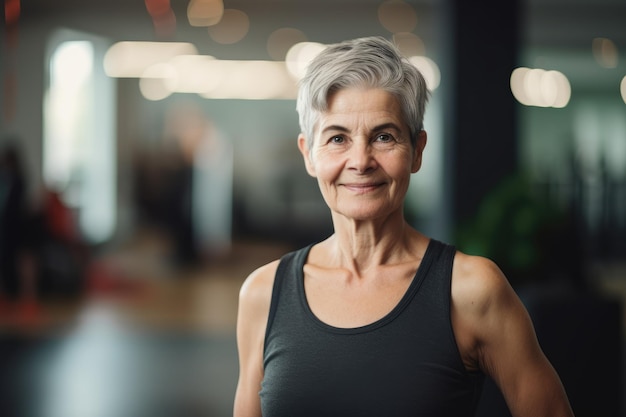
x: 145, y: 340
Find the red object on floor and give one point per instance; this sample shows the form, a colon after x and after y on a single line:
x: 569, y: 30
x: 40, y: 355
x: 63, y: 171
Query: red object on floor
x: 103, y: 279
x: 28, y: 311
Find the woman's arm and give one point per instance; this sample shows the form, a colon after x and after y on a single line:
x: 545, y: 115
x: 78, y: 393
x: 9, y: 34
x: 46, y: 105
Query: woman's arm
x: 499, y: 338
x: 254, y: 304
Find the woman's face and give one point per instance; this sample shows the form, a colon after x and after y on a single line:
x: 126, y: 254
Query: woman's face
x: 362, y: 155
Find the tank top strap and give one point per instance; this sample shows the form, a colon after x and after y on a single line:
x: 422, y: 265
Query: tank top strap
x: 442, y: 260
x: 437, y: 288
x: 289, y: 263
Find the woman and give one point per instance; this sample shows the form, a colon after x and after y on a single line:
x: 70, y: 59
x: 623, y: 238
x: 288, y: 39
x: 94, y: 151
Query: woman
x: 379, y: 319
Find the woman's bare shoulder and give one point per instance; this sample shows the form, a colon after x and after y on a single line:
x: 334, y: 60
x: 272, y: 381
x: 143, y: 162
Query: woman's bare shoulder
x: 470, y: 265
x: 257, y: 288
x: 477, y: 281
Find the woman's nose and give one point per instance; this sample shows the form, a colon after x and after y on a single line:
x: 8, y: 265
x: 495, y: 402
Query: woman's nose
x: 361, y: 157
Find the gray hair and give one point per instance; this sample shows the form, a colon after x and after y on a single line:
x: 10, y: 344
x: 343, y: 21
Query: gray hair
x: 371, y: 62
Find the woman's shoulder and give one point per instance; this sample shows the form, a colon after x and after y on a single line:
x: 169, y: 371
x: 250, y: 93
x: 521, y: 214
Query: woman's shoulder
x: 477, y: 281
x: 255, y: 297
x: 262, y: 278
x: 257, y: 287
x: 473, y: 266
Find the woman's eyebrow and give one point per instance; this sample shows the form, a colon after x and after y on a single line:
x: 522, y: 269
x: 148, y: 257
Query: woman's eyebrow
x: 384, y: 126
x: 335, y: 128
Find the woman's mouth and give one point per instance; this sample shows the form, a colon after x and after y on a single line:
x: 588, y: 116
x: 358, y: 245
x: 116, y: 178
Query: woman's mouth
x: 362, y: 188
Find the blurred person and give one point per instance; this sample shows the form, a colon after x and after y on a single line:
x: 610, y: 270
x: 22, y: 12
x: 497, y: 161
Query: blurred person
x: 18, y: 262
x: 62, y: 250
x: 379, y: 319
x: 178, y: 204
x: 12, y: 210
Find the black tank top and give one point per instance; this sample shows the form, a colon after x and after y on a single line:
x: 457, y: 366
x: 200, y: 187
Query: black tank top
x: 405, y: 364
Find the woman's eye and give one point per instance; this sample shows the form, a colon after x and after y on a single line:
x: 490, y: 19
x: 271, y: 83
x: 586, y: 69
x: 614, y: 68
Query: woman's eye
x: 384, y: 137
x: 337, y: 139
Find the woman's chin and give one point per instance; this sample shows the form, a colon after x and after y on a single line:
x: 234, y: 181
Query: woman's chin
x: 362, y: 213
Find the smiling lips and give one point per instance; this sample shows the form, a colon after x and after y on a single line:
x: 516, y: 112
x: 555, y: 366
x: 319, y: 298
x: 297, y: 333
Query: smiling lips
x: 362, y: 188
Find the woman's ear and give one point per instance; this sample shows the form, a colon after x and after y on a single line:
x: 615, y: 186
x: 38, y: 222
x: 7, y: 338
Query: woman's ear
x: 420, y: 144
x: 306, y: 154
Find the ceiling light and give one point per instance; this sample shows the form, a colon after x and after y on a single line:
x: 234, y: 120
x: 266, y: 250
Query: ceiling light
x: 130, y: 59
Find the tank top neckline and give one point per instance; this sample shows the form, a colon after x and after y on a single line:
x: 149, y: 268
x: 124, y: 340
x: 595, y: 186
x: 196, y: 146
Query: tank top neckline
x: 416, y: 282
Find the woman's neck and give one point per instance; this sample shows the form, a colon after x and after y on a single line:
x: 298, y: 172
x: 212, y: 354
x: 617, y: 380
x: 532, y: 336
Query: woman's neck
x: 365, y: 244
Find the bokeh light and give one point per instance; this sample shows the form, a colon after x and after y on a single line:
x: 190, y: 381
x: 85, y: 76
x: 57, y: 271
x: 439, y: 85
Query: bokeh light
x: 153, y: 84
x: 409, y: 44
x: 300, y: 55
x: 605, y: 52
x: 162, y: 15
x: 194, y: 74
x: 281, y: 40
x: 429, y: 69
x: 232, y: 28
x: 253, y: 80
x: 540, y: 88
x: 397, y: 16
x: 130, y: 59
x: 205, y: 12
x: 12, y: 10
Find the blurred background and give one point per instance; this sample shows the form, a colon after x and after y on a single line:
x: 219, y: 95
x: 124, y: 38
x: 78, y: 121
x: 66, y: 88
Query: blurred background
x: 149, y: 163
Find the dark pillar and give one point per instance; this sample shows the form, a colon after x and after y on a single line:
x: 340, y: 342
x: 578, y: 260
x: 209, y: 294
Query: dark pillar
x: 480, y: 119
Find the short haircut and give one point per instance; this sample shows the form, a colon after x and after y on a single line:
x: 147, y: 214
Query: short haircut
x: 371, y: 62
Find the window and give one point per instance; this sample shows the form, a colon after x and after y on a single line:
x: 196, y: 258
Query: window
x: 79, y: 132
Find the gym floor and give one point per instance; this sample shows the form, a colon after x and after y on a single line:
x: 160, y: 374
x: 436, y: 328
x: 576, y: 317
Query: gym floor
x: 144, y: 340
